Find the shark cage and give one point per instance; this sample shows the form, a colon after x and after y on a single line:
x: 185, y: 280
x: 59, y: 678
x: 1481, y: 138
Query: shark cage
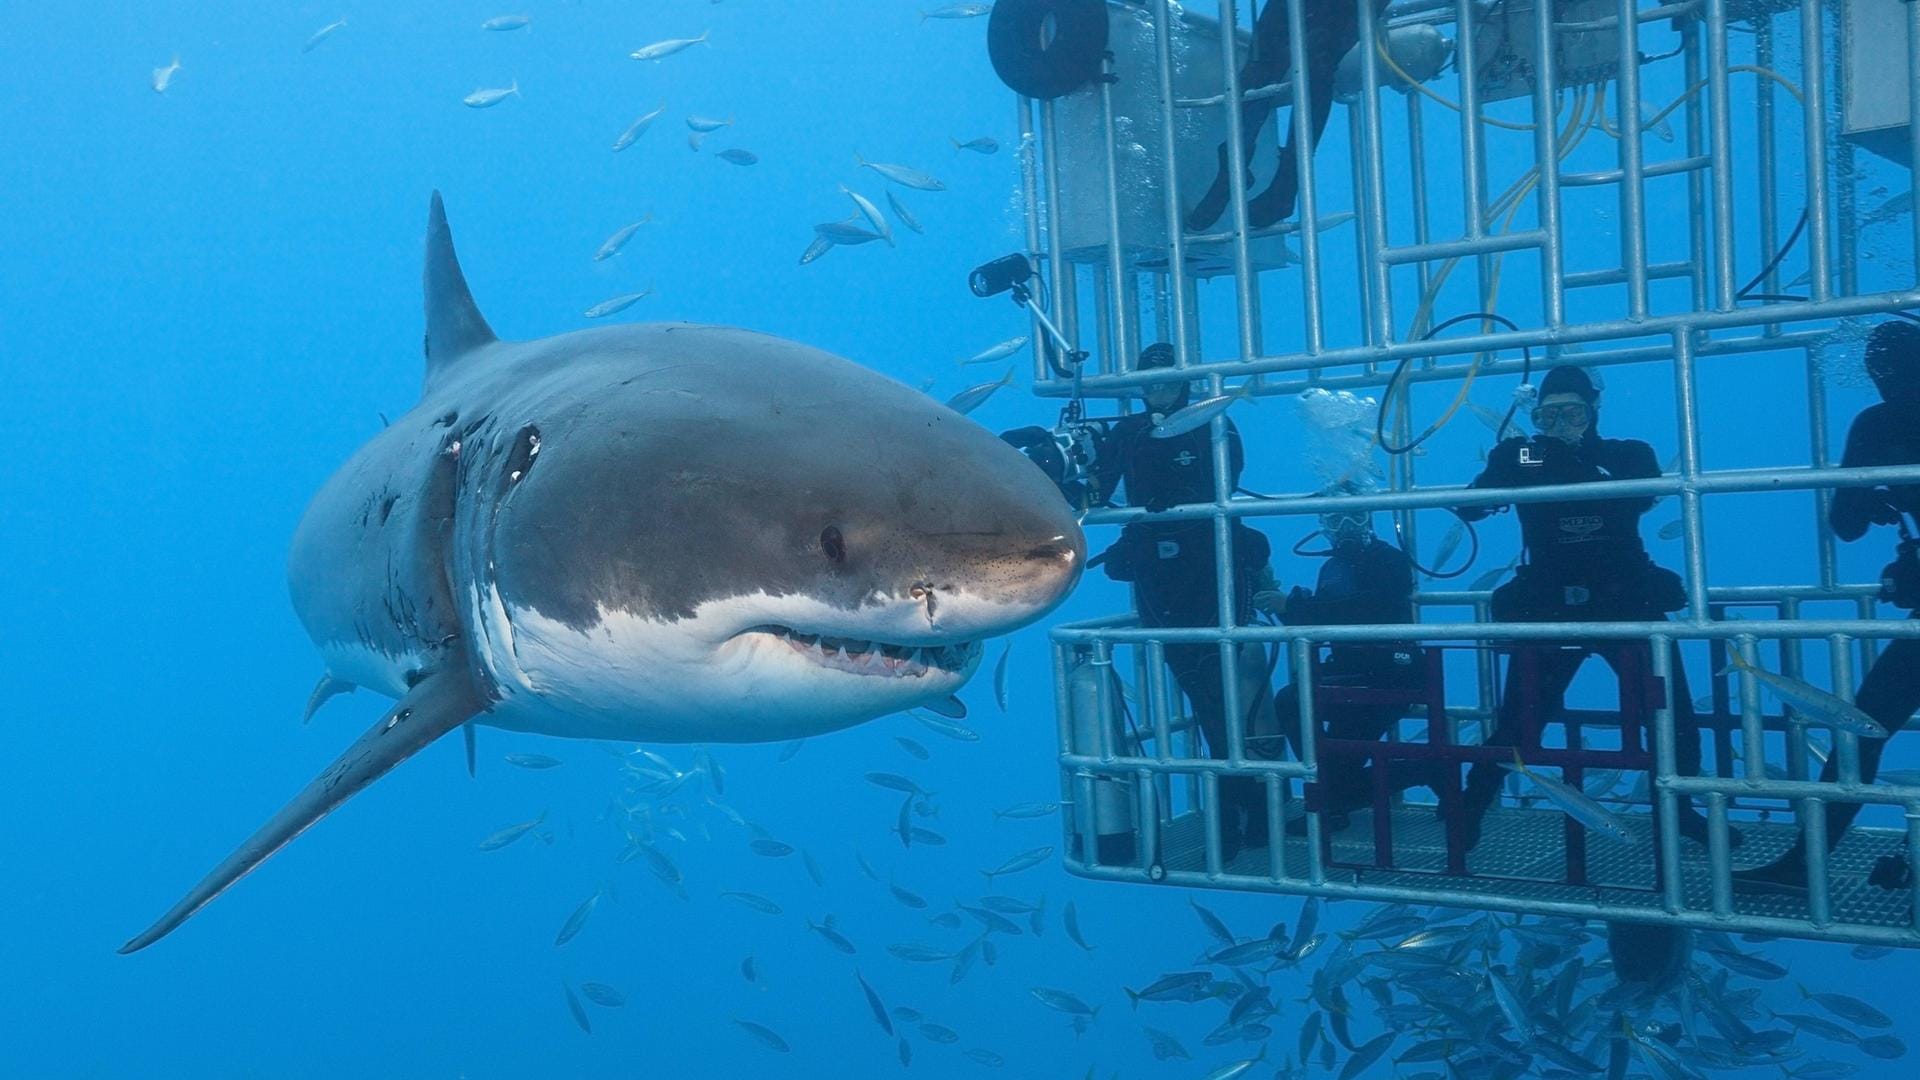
x: 1644, y: 179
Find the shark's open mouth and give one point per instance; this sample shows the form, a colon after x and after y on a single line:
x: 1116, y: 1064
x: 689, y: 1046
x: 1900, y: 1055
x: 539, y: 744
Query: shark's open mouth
x: 878, y: 658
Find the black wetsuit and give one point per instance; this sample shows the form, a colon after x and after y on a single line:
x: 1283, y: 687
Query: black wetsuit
x: 1358, y: 584
x: 1585, y: 563
x: 1171, y: 563
x: 1333, y: 28
x: 1883, y: 434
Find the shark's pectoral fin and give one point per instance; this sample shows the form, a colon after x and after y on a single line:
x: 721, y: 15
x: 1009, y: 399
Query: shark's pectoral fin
x: 325, y: 689
x: 473, y: 749
x: 436, y: 705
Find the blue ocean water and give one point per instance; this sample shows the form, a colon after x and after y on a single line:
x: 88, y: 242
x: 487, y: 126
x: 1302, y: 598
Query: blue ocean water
x: 209, y: 296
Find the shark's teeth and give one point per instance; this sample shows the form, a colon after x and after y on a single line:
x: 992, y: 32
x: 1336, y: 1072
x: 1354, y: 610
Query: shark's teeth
x: 878, y: 658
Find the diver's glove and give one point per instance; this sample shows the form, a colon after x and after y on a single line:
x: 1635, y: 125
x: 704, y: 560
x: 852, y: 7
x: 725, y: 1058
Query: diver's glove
x: 1121, y: 562
x: 1267, y: 597
x: 1880, y: 508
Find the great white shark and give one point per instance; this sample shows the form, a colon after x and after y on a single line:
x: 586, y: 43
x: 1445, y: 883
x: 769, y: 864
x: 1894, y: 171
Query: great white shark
x: 657, y: 533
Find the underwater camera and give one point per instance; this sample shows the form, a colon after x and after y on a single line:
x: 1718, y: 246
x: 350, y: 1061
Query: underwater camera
x: 1068, y: 454
x: 996, y: 277
x: 1900, y: 579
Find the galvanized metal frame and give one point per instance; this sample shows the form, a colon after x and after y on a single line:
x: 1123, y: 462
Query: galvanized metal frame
x: 1715, y: 324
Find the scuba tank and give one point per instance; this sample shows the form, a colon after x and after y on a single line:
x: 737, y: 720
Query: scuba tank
x: 1104, y: 823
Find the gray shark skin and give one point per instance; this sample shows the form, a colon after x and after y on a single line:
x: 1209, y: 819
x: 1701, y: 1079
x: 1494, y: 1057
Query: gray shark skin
x: 653, y: 533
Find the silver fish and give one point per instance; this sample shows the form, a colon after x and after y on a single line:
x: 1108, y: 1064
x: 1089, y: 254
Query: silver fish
x: 507, y: 22
x: 957, y: 11
x: 163, y: 76
x: 755, y: 901
x: 911, y: 747
x: 1165, y: 1046
x: 603, y: 995
x: 737, y: 156
x: 637, y: 128
x: 771, y: 848
x: 871, y: 213
x: 902, y: 175
x: 1672, y: 529
x: 617, y: 304
x: 919, y: 954
x: 982, y: 1056
x: 1071, y: 918
x: 939, y: 1033
x: 323, y: 34
x: 1000, y: 677
x: 813, y: 868
x: 1485, y: 581
x: 996, y: 352
x: 906, y: 216
x: 1895, y: 207
x: 767, y: 1036
x: 662, y: 49
x: 1510, y: 1007
x: 1850, y: 1009
x: 909, y: 898
x: 973, y: 397
x: 991, y: 921
x: 1029, y: 810
x: 1496, y: 422
x: 981, y: 145
x: 1575, y: 803
x: 844, y: 233
x: 695, y: 139
x: 486, y: 99
x: 896, y: 782
x: 1232, y: 1070
x: 1213, y: 923
x: 703, y: 125
x: 533, y: 761
x: 511, y: 833
x: 1812, y: 703
x: 1026, y: 860
x: 578, y: 1010
x: 957, y: 732
x: 1197, y: 414
x: 577, y: 920
x: 1449, y: 544
x: 1370, y: 1052
x: 873, y: 1002
x: 663, y: 867
x: 747, y: 970
x: 833, y: 936
x: 1186, y: 986
x: 1062, y: 1001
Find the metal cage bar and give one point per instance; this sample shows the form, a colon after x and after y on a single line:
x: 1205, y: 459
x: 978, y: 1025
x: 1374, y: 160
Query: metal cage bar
x: 1504, y: 91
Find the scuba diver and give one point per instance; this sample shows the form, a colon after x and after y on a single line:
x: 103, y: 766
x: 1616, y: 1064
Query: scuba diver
x: 1171, y: 565
x: 1585, y: 563
x: 1333, y: 28
x: 1365, y: 580
x: 1884, y: 434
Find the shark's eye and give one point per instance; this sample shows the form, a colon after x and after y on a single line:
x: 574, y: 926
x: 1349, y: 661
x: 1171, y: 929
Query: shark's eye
x: 833, y: 545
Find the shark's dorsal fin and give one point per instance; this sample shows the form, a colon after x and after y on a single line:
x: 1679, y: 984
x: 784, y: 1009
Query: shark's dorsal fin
x: 455, y: 326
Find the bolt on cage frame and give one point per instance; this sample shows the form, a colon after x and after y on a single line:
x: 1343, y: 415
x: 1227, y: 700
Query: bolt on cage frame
x: 1101, y: 767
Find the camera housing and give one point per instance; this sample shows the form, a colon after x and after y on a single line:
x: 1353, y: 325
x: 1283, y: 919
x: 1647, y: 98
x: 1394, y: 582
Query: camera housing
x: 996, y: 277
